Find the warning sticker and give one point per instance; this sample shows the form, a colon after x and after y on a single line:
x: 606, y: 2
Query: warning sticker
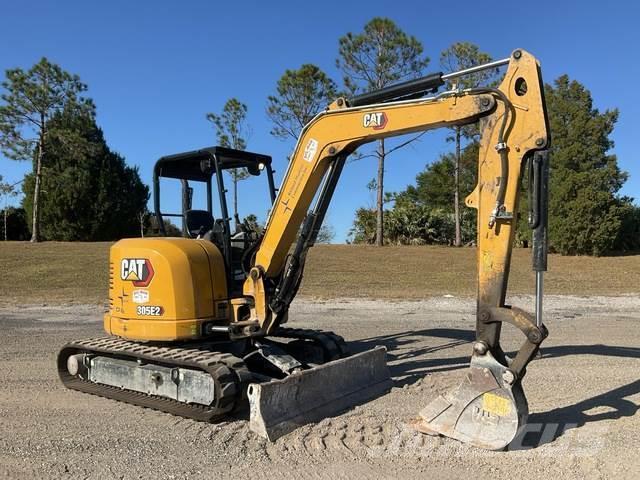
x: 496, y: 404
x: 310, y: 150
x: 140, y: 296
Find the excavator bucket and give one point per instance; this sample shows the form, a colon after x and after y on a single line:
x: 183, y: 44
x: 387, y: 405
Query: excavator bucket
x: 486, y: 410
x: 280, y: 406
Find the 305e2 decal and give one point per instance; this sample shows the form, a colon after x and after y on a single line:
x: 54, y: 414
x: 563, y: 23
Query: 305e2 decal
x: 149, y: 310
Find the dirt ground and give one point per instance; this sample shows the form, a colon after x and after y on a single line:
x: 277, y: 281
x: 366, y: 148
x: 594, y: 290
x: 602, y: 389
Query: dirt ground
x: 584, y: 393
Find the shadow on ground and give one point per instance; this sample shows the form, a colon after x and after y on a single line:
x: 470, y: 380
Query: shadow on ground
x: 407, y: 366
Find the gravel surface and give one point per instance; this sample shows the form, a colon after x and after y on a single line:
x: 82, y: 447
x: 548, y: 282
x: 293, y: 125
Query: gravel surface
x: 583, y: 393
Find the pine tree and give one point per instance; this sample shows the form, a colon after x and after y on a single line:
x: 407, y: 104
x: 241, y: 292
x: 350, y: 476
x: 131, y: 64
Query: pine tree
x: 31, y: 99
x: 459, y: 56
x: 7, y: 190
x: 379, y: 56
x: 88, y: 192
x: 586, y: 214
x: 232, y: 132
x: 301, y: 95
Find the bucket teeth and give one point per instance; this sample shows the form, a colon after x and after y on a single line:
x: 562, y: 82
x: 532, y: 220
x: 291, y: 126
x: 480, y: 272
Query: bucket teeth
x: 280, y: 406
x: 484, y: 411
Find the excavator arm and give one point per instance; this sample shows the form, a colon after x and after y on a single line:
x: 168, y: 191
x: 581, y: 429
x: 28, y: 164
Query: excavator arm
x: 320, y: 154
x: 513, y: 126
x: 489, y: 407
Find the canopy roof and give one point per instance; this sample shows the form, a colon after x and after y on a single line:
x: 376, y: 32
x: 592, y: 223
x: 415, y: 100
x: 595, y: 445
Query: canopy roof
x: 199, y: 165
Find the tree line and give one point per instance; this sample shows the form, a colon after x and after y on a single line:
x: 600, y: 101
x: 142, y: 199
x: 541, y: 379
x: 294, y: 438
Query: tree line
x: 587, y: 215
x: 81, y: 190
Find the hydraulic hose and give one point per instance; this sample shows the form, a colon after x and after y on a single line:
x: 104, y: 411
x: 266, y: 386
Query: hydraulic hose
x: 501, y: 147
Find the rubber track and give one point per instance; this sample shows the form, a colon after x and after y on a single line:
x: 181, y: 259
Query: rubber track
x: 229, y: 373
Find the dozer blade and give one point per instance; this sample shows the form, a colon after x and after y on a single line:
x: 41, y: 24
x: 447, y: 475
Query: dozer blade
x: 280, y: 406
x: 484, y: 411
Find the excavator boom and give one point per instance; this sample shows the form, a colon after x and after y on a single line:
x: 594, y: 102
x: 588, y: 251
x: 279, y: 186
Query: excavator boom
x: 490, y: 407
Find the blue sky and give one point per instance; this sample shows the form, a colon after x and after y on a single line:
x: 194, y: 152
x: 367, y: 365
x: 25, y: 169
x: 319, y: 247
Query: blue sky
x: 154, y: 68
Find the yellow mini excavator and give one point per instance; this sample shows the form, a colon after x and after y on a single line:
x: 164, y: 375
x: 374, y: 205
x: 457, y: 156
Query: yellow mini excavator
x: 196, y: 323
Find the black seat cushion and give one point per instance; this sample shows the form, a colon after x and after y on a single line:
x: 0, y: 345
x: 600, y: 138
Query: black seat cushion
x: 198, y: 222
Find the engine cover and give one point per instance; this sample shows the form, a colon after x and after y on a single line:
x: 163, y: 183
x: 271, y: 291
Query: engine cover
x: 164, y: 289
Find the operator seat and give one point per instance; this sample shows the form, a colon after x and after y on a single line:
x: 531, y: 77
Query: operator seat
x: 201, y: 224
x: 198, y: 222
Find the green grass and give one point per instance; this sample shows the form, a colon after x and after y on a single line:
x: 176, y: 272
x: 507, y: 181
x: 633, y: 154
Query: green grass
x: 419, y: 272
x: 53, y: 273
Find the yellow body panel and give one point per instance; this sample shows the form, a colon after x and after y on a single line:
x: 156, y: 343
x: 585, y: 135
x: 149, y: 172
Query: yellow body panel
x: 165, y: 288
